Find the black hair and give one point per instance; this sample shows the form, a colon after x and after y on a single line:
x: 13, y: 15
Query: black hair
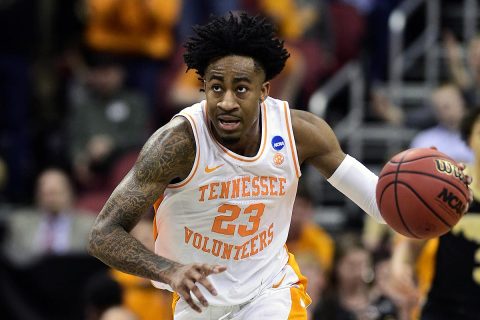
x: 236, y: 34
x: 102, y: 292
x: 467, y: 123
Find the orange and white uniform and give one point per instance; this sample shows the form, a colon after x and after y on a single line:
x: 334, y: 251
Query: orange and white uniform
x: 235, y: 210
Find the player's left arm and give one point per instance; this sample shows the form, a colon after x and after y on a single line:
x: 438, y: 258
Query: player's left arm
x: 317, y: 145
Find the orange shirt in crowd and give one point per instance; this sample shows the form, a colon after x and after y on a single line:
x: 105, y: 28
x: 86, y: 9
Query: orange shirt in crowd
x: 315, y: 240
x: 132, y: 26
x: 146, y: 301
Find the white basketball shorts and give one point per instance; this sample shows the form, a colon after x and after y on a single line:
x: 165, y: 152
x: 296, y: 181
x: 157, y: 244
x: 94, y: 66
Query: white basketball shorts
x: 284, y: 299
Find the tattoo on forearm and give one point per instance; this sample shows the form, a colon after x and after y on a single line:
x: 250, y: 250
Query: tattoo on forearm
x: 168, y: 154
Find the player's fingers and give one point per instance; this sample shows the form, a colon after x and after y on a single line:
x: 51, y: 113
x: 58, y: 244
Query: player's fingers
x: 208, y: 269
x: 433, y: 147
x: 195, y: 274
x: 185, y: 294
x: 468, y: 179
x: 196, y: 291
x: 208, y: 285
x: 219, y: 269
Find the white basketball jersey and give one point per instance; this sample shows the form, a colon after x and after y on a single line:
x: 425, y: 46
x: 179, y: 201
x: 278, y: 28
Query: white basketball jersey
x: 231, y: 209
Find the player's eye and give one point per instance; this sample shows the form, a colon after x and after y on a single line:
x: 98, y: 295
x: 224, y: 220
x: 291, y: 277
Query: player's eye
x: 216, y: 88
x: 242, y: 89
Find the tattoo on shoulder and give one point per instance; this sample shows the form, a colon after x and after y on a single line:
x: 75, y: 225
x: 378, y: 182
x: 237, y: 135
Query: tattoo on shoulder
x: 168, y: 154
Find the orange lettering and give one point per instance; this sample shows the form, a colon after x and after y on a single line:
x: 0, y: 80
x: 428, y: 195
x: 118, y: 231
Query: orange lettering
x: 281, y: 187
x: 188, y: 234
x: 263, y: 184
x: 238, y: 251
x: 197, y: 236
x: 270, y: 234
x: 245, y: 190
x: 213, y: 191
x: 255, y: 211
x: 236, y: 188
x: 218, y: 222
x: 217, y: 245
x: 204, y: 248
x: 255, y: 187
x: 227, y: 250
x: 245, y: 254
x: 225, y: 190
x: 272, y: 186
x: 263, y: 236
x: 202, y: 190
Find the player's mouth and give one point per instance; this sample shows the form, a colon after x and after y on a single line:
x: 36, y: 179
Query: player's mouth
x: 228, y: 123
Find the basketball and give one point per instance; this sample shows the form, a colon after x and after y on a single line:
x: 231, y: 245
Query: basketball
x: 421, y: 193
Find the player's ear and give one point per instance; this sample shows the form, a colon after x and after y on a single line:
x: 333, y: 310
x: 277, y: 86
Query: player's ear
x: 265, y: 90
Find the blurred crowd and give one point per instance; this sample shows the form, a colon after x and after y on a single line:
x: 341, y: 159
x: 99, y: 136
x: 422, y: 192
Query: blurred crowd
x: 82, y: 85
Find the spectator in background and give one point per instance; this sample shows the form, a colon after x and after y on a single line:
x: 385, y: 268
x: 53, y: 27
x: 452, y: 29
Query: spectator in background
x: 448, y: 109
x: 465, y: 73
x: 103, y: 299
x: 107, y: 120
x: 350, y: 294
x: 52, y: 227
x: 347, y: 295
x: 143, y: 31
x: 388, y: 303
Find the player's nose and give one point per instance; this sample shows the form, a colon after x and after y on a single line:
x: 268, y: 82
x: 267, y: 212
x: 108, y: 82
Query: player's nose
x: 228, y: 102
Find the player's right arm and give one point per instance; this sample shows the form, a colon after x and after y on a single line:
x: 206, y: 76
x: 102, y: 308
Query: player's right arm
x: 167, y: 155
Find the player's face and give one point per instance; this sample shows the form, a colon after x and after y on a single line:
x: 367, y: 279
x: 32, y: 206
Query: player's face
x: 234, y: 87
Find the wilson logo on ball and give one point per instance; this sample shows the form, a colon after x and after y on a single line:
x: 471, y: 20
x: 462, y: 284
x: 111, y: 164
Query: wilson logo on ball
x: 452, y: 201
x: 449, y: 168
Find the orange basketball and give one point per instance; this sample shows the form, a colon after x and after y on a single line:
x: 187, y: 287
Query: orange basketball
x: 421, y: 193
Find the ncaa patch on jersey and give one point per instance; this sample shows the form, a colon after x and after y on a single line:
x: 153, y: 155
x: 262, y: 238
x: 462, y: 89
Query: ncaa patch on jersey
x: 278, y: 143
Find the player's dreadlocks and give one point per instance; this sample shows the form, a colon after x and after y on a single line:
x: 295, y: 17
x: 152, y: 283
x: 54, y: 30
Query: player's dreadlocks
x: 241, y: 35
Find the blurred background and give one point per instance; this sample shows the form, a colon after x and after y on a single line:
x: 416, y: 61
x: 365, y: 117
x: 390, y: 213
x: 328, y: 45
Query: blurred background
x: 83, y: 83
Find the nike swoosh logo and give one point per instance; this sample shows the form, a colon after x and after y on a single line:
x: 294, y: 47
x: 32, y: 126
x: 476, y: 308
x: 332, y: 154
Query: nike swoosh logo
x: 276, y: 285
x: 210, y: 170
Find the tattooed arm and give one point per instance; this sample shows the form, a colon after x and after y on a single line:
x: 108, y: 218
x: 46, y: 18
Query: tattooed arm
x: 168, y: 154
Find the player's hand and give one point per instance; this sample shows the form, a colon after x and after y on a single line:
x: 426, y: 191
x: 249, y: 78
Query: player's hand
x: 184, y: 281
x: 468, y: 180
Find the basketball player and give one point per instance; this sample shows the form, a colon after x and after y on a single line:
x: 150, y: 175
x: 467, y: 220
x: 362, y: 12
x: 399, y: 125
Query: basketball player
x: 452, y: 261
x: 223, y: 174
